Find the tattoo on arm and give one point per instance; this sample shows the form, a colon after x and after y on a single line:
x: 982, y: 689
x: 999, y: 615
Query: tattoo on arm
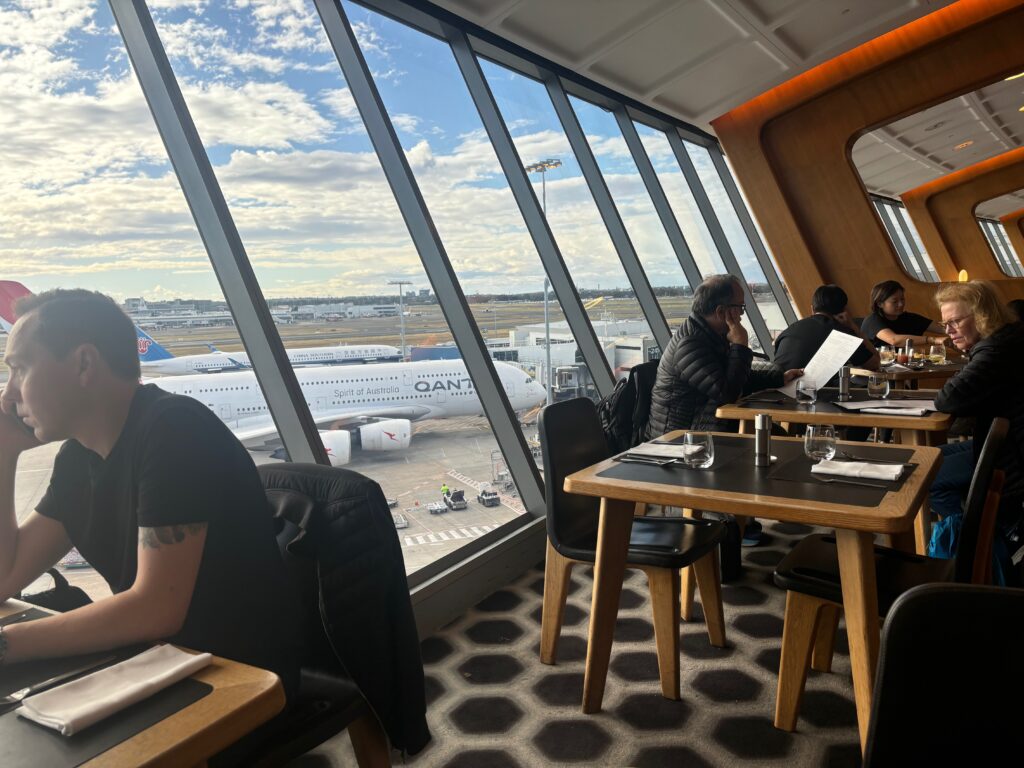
x: 154, y: 538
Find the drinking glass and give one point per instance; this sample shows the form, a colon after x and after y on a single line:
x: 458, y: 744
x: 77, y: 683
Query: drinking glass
x: 698, y: 450
x: 806, y: 392
x: 937, y: 354
x: 887, y: 355
x: 878, y: 385
x: 820, y: 442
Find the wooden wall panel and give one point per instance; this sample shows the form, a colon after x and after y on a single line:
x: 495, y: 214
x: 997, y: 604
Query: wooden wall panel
x: 943, y: 211
x: 790, y: 147
x: 1013, y: 223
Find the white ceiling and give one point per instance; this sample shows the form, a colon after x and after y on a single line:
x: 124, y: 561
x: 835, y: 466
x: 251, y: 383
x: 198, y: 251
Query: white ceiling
x: 922, y: 147
x: 695, y: 59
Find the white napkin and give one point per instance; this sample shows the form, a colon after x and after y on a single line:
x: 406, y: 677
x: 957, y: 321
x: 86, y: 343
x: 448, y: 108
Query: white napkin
x: 75, y: 706
x: 896, y: 411
x: 896, y: 367
x: 666, y: 450
x: 889, y: 472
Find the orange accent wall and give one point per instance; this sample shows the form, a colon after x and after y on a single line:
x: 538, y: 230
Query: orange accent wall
x: 1013, y: 223
x: 943, y: 211
x: 790, y: 146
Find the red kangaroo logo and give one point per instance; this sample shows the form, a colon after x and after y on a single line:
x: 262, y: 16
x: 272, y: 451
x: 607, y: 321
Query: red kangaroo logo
x: 391, y: 435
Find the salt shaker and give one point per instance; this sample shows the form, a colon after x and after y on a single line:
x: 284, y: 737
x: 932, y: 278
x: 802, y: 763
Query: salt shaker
x: 844, y: 384
x: 762, y: 440
x: 909, y: 350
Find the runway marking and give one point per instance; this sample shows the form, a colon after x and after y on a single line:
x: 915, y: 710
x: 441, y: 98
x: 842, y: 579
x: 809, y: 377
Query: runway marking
x: 438, y: 536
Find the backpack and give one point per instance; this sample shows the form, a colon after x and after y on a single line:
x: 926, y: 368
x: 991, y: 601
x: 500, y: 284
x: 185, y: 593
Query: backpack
x: 624, y: 413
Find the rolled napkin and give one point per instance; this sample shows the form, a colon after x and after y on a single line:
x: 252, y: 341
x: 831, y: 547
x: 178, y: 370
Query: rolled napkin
x: 75, y: 706
x: 895, y: 411
x: 865, y: 469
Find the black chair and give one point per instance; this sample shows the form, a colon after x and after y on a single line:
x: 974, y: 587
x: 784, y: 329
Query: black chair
x: 571, y: 439
x: 306, y: 500
x: 814, y: 596
x: 949, y: 678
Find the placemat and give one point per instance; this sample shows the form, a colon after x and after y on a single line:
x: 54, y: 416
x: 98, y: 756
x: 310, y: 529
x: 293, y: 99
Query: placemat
x: 796, y: 470
x: 24, y: 744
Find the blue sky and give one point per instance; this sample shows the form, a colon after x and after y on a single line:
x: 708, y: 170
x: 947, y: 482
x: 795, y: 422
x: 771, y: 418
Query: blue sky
x: 91, y: 200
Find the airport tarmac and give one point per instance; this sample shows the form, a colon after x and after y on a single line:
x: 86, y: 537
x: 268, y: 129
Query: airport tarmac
x: 456, y: 451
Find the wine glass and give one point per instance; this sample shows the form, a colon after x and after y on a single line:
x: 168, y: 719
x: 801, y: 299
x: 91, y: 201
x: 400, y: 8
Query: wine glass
x: 806, y: 392
x: 937, y: 354
x: 698, y: 450
x: 820, y: 442
x: 886, y: 355
x: 878, y: 385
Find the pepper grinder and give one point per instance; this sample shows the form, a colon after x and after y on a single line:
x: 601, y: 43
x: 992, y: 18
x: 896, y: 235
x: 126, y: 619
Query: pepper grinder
x: 844, y: 384
x: 762, y: 440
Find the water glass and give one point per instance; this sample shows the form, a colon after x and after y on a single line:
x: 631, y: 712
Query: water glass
x: 698, y: 450
x: 806, y: 392
x: 887, y: 355
x: 878, y: 385
x: 820, y: 442
x: 937, y: 354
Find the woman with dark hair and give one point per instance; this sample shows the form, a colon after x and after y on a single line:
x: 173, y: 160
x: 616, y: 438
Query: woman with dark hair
x: 890, y: 324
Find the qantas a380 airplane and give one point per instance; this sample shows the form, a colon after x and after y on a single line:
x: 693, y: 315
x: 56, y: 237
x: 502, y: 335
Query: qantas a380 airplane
x: 371, y: 406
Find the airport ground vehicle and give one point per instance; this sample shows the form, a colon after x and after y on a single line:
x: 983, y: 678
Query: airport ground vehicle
x: 456, y: 500
x: 488, y: 498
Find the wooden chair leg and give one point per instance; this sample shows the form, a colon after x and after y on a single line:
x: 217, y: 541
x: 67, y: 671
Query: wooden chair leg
x: 557, y: 572
x: 664, y: 585
x: 825, y: 638
x: 689, y: 581
x: 370, y: 743
x: 798, y: 633
x: 709, y: 580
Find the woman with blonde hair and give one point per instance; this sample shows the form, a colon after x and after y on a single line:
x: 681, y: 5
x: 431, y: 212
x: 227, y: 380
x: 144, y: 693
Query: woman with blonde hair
x: 989, y: 386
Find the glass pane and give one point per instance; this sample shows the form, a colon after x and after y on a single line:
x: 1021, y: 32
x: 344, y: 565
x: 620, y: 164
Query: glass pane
x: 1016, y: 269
x: 902, y: 212
x: 636, y: 209
x: 570, y: 209
x: 741, y: 248
x: 91, y: 201
x: 902, y: 247
x: 334, y: 258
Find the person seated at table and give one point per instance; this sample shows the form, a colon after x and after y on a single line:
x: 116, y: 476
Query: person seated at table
x: 796, y: 345
x: 989, y: 386
x: 152, y: 488
x: 890, y: 323
x: 1016, y: 306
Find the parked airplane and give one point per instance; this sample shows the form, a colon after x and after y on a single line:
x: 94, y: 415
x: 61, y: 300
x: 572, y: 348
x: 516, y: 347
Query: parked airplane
x: 375, y: 402
x: 157, y: 360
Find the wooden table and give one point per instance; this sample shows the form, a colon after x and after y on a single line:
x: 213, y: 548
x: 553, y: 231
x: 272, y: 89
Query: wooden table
x: 855, y: 527
x: 930, y: 429
x: 243, y: 697
x: 912, y: 378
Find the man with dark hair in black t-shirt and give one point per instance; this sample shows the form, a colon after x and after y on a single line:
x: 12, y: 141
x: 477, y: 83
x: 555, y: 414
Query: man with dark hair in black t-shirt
x: 796, y: 345
x: 152, y: 489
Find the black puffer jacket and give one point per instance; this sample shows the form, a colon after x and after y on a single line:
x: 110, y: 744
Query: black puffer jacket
x: 700, y: 371
x: 992, y: 385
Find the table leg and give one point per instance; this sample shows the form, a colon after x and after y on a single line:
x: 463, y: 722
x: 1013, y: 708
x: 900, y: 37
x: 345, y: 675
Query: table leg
x: 860, y: 602
x: 923, y: 520
x: 616, y: 522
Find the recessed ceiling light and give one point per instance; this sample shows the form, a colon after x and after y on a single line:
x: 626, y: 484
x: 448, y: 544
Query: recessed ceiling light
x: 963, y: 146
x: 935, y: 126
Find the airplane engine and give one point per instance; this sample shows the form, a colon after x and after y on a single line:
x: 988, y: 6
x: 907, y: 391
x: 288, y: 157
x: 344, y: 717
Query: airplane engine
x: 388, y: 435
x: 338, y: 443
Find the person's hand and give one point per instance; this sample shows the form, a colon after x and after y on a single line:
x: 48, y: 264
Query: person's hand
x: 737, y: 333
x: 792, y: 373
x: 846, y: 320
x: 15, y: 436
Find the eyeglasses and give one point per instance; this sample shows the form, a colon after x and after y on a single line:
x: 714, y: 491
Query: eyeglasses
x: 955, y: 323
x: 741, y: 307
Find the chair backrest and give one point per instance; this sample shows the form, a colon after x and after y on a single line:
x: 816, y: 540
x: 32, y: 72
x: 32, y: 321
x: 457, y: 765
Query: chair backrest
x: 977, y: 495
x: 949, y: 672
x: 571, y: 439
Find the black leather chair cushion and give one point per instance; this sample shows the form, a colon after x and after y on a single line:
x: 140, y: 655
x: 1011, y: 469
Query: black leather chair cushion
x: 812, y: 567
x: 658, y: 541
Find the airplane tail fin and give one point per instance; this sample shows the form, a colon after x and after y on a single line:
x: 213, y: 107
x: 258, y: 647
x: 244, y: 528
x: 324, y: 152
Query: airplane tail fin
x: 10, y: 292
x: 149, y: 350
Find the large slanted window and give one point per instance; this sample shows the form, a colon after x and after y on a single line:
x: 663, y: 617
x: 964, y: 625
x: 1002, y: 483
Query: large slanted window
x: 1007, y: 258
x: 905, y: 240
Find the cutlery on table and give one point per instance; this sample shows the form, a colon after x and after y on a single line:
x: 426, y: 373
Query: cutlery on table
x: 866, y: 460
x: 846, y: 481
x: 12, y: 700
x: 635, y: 458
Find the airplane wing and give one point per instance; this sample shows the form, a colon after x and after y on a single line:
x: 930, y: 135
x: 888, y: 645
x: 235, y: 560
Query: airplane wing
x: 257, y: 431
